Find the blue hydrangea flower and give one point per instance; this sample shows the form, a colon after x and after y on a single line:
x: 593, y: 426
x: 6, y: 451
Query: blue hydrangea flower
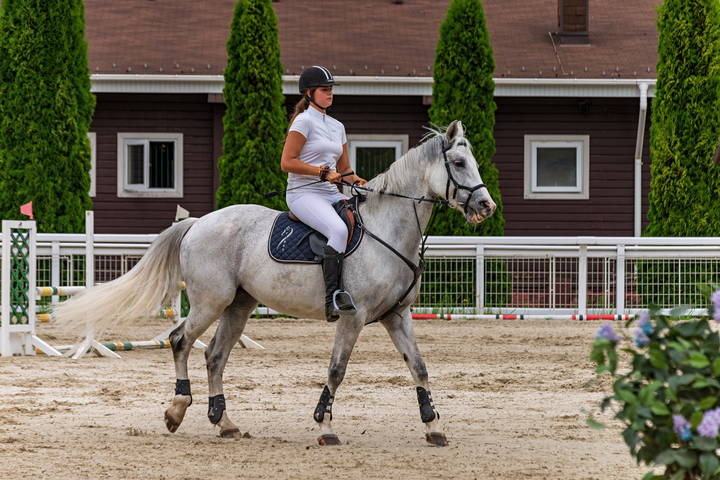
x: 644, y: 324
x: 716, y: 305
x: 710, y: 423
x: 682, y: 427
x: 641, y: 339
x: 607, y: 332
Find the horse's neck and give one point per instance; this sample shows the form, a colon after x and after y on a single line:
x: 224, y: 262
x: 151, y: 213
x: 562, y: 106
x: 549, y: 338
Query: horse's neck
x: 393, y: 219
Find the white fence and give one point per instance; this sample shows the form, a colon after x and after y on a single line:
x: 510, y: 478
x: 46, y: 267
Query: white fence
x: 531, y: 275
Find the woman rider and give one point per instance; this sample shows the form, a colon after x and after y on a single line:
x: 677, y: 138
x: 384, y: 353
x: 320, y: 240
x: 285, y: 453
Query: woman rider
x: 316, y: 148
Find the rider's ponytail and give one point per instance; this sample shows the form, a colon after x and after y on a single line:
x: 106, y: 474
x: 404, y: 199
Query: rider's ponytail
x: 300, y: 107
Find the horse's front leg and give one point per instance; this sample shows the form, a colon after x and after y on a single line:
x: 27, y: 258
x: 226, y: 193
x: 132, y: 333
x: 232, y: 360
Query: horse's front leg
x: 232, y: 324
x: 402, y: 333
x: 346, y: 334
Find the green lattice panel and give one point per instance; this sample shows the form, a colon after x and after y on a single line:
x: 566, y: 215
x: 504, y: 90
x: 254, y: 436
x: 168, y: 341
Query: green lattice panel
x: 19, y: 272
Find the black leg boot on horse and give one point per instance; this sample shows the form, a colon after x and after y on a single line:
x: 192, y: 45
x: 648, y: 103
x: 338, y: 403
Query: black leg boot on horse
x: 337, y: 300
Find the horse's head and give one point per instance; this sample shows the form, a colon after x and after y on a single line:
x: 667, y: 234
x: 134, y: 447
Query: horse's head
x: 457, y: 179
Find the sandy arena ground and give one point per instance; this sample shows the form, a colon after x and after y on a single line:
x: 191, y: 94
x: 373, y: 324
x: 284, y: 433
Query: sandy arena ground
x: 511, y: 395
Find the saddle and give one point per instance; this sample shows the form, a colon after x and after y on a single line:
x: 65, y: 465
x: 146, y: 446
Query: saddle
x: 291, y: 241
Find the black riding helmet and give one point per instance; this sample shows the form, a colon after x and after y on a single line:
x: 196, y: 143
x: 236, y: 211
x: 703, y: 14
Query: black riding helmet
x: 312, y: 78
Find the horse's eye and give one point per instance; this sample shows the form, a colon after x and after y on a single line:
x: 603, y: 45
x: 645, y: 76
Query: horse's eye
x: 459, y: 163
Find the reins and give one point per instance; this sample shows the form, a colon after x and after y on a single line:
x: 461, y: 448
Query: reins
x: 420, y: 267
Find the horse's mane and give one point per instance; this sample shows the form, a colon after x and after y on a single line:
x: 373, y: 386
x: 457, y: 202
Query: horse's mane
x: 395, y: 177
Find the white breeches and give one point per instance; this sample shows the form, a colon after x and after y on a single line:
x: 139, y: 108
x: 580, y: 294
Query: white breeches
x: 315, y: 210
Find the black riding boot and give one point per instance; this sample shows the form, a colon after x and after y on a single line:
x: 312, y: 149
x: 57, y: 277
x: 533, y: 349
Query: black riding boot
x: 337, y: 300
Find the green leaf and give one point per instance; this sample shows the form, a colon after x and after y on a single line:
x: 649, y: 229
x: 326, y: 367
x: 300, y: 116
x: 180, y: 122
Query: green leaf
x: 696, y: 418
x: 705, y: 444
x: 659, y: 408
x: 676, y: 346
x: 707, y: 402
x: 708, y: 464
x: 657, y: 358
x: 677, y: 380
x: 594, y: 424
x: 686, y: 458
x: 716, y: 367
x: 647, y: 392
x: 627, y: 396
x: 698, y: 360
x: 679, y: 475
x: 666, y: 457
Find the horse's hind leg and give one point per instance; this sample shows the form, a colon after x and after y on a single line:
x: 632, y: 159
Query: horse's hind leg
x: 346, y: 334
x: 402, y: 334
x: 232, y: 324
x: 206, y: 307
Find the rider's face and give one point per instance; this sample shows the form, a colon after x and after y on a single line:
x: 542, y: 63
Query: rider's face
x: 324, y: 96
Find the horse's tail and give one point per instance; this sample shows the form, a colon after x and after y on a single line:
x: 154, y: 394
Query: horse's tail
x: 153, y: 282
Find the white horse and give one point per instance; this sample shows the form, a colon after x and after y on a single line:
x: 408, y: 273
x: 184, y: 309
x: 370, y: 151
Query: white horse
x: 223, y: 259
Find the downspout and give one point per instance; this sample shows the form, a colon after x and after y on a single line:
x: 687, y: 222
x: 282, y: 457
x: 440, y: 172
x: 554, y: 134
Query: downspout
x: 638, y: 158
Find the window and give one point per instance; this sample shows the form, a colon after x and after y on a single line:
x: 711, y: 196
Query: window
x: 150, y: 165
x: 557, y: 166
x: 373, y: 154
x: 93, y: 171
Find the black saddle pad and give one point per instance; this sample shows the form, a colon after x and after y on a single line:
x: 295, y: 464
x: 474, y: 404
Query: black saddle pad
x: 292, y: 241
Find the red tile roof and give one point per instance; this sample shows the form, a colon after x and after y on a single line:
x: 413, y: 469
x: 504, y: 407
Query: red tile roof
x: 370, y: 37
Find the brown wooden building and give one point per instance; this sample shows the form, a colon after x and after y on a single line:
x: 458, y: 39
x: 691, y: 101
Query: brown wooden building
x: 573, y: 82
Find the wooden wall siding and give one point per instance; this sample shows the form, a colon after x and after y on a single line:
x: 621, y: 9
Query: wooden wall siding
x: 379, y: 114
x: 612, y: 126
x: 190, y: 115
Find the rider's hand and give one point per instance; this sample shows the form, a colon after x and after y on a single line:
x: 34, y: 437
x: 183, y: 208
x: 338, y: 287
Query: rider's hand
x: 333, y: 177
x: 354, y: 179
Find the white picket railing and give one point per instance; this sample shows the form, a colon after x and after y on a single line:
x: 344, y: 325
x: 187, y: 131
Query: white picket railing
x: 532, y: 275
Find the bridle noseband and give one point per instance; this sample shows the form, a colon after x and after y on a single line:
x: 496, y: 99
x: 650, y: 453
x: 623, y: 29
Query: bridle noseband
x: 456, y: 185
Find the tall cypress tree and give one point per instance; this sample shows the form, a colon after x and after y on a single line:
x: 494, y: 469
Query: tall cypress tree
x: 463, y: 89
x: 45, y: 112
x: 254, y: 121
x: 684, y: 195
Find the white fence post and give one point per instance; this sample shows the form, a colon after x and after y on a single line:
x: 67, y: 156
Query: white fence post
x: 582, y: 279
x: 620, y: 280
x: 55, y: 268
x: 480, y: 278
x: 89, y: 248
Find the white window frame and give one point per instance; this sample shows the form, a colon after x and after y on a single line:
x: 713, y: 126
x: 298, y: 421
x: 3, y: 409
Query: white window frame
x: 136, y: 190
x: 399, y: 142
x: 92, y: 137
x: 581, y: 190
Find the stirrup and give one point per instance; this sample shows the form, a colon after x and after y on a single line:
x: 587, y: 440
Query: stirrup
x: 343, y: 302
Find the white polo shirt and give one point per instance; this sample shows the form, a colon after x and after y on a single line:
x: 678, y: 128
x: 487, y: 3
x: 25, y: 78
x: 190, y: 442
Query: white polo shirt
x: 325, y: 138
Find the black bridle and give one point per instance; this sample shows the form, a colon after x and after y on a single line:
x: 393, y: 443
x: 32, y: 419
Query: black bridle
x: 457, y: 185
x: 418, y: 269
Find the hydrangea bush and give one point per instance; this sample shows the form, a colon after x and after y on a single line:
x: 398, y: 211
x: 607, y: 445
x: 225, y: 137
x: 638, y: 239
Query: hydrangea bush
x: 669, y: 397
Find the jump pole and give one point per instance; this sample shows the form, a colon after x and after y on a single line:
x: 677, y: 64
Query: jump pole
x: 462, y: 316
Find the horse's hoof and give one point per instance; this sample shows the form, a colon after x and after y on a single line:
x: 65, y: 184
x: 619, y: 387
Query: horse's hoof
x: 329, y: 439
x: 171, y: 423
x: 231, y: 433
x: 436, y: 439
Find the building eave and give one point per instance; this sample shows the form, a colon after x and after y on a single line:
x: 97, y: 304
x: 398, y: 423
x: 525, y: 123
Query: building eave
x: 396, y: 86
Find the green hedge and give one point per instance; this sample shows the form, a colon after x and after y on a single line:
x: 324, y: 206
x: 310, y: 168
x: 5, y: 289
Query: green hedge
x: 45, y: 112
x: 254, y: 121
x: 463, y: 89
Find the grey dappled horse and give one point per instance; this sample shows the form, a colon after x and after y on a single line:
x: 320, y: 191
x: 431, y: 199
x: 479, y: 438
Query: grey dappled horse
x: 223, y: 259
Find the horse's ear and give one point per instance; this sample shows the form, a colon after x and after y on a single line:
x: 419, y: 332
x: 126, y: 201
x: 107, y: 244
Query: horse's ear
x: 455, y: 130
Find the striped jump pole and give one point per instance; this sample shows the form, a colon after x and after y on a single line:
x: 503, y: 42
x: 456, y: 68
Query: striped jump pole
x: 126, y: 346
x: 506, y: 316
